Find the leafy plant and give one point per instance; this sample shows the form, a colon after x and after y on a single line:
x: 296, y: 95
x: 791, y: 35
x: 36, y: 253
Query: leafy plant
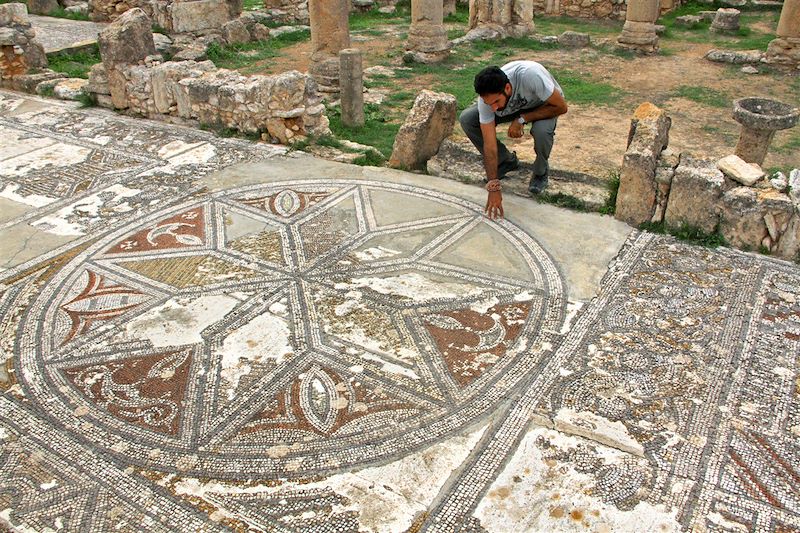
x: 242, y: 56
x: 687, y: 233
x: 563, y: 200
x: 75, y: 64
x: 610, y: 207
x: 62, y: 13
x: 377, y: 131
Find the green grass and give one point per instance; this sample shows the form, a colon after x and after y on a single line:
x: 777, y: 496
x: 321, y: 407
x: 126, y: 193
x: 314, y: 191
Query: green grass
x: 610, y: 207
x: 223, y: 131
x: 75, y: 65
x: 461, y: 16
x: 62, y: 13
x: 377, y: 130
x: 687, y: 233
x: 580, y: 89
x: 789, y: 142
x: 241, y: 56
x: 364, y: 21
x: 563, y: 200
x: 557, y: 25
x: 704, y: 96
x: 252, y: 5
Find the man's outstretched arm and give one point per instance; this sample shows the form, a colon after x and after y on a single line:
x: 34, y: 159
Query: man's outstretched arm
x: 494, y: 201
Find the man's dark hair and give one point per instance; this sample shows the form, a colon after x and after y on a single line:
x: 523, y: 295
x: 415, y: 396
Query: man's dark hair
x: 491, y: 80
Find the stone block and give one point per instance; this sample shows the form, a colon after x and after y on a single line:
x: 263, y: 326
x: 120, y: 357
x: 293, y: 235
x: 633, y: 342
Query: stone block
x: 126, y: 41
x: 573, y: 39
x: 430, y: 121
x: 788, y: 246
x: 648, y: 136
x: 198, y: 15
x: 688, y: 20
x: 741, y: 219
x: 748, y: 216
x: 42, y: 7
x: 14, y: 14
x: 235, y: 32
x: 694, y: 197
x: 734, y: 57
x: 794, y: 186
x: 8, y: 37
x: 740, y: 170
x: 166, y: 76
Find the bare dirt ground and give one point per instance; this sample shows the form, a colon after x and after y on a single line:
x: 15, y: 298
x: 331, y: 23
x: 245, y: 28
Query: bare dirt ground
x: 592, y: 138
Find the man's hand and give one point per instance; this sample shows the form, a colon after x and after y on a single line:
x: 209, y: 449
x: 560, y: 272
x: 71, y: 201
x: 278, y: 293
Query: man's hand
x: 516, y: 130
x: 494, y: 205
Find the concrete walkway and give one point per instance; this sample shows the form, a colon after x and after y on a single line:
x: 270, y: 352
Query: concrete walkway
x: 205, y: 334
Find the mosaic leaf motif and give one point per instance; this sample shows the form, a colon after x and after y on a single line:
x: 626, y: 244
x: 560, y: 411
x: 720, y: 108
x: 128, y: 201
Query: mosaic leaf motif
x: 285, y: 203
x: 99, y: 300
x: 184, y: 230
x: 472, y: 342
x: 147, y: 391
x: 322, y: 401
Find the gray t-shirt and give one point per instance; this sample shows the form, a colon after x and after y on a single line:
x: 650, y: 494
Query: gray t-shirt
x: 531, y: 85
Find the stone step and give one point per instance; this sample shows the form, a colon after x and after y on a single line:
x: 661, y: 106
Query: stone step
x: 458, y: 160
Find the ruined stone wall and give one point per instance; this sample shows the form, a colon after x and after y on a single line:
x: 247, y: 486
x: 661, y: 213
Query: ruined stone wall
x: 285, y: 106
x: 592, y: 9
x: 133, y: 77
x: 751, y: 210
x: 20, y: 52
x: 172, y: 15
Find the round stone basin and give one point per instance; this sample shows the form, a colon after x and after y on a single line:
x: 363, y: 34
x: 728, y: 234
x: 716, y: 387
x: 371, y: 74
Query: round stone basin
x: 764, y: 114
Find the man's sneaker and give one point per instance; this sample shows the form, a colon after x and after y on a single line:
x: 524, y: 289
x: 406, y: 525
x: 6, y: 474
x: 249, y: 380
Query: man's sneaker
x: 537, y: 184
x: 509, y: 165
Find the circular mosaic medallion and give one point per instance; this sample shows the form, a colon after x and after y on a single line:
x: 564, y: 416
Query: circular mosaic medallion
x: 290, y: 329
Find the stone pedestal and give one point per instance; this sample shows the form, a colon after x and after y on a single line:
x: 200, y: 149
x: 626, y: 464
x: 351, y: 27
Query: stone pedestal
x: 760, y: 119
x: 330, y: 34
x: 639, y: 31
x: 785, y: 50
x: 726, y: 20
x: 509, y: 18
x: 351, y: 86
x: 427, y: 37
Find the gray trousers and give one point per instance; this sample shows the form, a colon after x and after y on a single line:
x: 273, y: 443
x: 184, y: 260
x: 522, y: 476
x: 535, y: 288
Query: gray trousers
x: 542, y: 131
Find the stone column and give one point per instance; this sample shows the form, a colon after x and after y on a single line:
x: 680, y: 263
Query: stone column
x: 639, y: 31
x: 786, y: 48
x: 509, y: 18
x: 427, y: 38
x: 351, y: 86
x: 330, y: 34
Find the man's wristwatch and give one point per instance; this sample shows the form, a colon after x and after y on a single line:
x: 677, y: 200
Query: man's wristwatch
x: 522, y: 120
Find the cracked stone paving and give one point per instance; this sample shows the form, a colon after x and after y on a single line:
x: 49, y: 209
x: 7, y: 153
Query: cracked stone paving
x: 205, y: 334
